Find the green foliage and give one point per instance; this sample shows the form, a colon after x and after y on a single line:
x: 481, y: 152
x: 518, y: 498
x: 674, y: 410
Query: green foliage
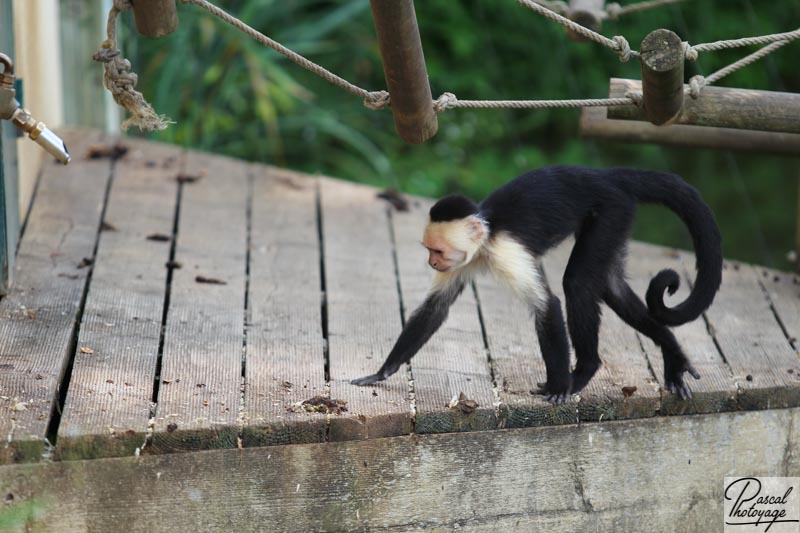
x: 228, y: 94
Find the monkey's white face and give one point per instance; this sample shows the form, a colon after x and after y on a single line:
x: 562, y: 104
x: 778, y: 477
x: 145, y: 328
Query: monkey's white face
x: 453, y: 244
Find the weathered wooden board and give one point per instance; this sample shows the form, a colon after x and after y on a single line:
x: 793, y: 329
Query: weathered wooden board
x: 111, y: 389
x: 751, y: 340
x: 716, y: 390
x: 623, y: 361
x: 454, y: 361
x: 285, y: 361
x: 201, y: 375
x: 660, y: 474
x: 363, y: 312
x: 38, y: 316
x: 784, y: 293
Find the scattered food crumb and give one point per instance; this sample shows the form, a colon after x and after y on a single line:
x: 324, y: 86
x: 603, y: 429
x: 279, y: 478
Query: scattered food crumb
x: 19, y: 406
x: 210, y: 281
x: 319, y: 404
x: 85, y: 262
x: 461, y: 402
x: 627, y: 392
x: 287, y: 385
x: 109, y: 381
x: 374, y: 392
x: 29, y: 313
x: 749, y: 377
x: 172, y: 427
x: 107, y: 226
x: 205, y: 403
x: 107, y: 151
x: 159, y: 237
x: 189, y: 178
x: 394, y: 197
x: 200, y: 385
x: 791, y: 371
x: 84, y: 349
x: 776, y: 279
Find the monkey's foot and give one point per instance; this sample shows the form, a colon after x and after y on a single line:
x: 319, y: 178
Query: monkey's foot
x: 673, y: 380
x: 367, y: 380
x: 581, y: 376
x: 553, y: 394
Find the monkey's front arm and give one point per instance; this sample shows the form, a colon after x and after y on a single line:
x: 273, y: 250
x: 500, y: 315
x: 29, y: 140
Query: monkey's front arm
x: 424, y: 322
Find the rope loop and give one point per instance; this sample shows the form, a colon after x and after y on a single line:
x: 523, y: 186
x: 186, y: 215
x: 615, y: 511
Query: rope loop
x: 689, y: 51
x: 696, y: 84
x: 623, y: 48
x: 444, y: 102
x: 377, y: 100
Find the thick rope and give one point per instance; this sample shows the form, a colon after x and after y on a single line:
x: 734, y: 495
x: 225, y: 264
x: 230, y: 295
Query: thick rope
x: 450, y: 101
x: 619, y: 44
x: 120, y: 81
x: 748, y: 41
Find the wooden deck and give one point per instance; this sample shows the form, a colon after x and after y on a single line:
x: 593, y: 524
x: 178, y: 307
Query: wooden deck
x: 174, y: 301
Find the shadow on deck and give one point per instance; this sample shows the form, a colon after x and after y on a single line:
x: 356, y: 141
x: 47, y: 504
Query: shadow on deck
x: 173, y: 300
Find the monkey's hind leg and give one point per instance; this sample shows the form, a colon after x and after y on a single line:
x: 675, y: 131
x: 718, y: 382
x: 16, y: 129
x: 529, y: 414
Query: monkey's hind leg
x: 555, y: 351
x: 630, y: 308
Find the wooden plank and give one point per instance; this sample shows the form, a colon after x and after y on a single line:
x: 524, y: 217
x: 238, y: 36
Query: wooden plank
x: 623, y: 361
x: 454, y: 361
x: 721, y: 107
x: 716, y: 390
x: 783, y: 289
x: 285, y: 360
x: 38, y: 317
x: 752, y: 341
x: 595, y: 125
x: 363, y: 312
x: 643, y: 475
x: 201, y: 374
x: 111, y: 390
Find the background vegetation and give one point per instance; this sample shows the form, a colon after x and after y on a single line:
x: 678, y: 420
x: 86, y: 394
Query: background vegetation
x: 230, y: 95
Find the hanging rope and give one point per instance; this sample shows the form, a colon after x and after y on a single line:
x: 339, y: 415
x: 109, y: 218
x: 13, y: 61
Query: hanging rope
x: 121, y: 82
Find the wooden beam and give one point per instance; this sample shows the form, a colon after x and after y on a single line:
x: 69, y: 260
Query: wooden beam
x: 722, y: 107
x: 642, y: 475
x: 587, y: 13
x: 662, y: 76
x: 404, y: 68
x: 155, y: 18
x: 595, y: 125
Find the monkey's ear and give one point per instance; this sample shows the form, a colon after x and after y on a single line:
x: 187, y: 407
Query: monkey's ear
x: 476, y: 228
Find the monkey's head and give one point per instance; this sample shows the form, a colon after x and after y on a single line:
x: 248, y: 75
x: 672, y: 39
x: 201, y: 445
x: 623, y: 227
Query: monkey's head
x: 455, y: 233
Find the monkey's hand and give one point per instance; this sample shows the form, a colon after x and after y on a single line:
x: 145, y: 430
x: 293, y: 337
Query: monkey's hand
x: 368, y: 380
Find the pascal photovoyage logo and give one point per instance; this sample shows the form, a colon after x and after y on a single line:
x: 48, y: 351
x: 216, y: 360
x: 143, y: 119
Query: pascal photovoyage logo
x: 762, y: 504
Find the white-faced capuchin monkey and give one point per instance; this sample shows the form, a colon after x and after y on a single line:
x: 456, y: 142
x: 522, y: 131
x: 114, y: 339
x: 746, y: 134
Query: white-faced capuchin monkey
x: 508, y: 233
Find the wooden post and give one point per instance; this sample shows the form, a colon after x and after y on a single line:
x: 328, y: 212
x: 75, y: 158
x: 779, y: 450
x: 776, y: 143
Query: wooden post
x: 587, y: 13
x: 662, y: 76
x: 404, y: 68
x: 722, y: 107
x: 595, y: 125
x: 155, y: 18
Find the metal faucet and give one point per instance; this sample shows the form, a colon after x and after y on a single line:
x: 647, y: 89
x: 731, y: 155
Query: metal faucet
x: 10, y: 109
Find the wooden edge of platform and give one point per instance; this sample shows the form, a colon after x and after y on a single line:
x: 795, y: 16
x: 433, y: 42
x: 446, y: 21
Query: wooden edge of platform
x: 577, y: 477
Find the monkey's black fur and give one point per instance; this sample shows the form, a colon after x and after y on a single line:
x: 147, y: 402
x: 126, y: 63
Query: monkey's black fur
x: 540, y: 209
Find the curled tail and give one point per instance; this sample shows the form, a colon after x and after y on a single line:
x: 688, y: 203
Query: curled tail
x: 673, y: 192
